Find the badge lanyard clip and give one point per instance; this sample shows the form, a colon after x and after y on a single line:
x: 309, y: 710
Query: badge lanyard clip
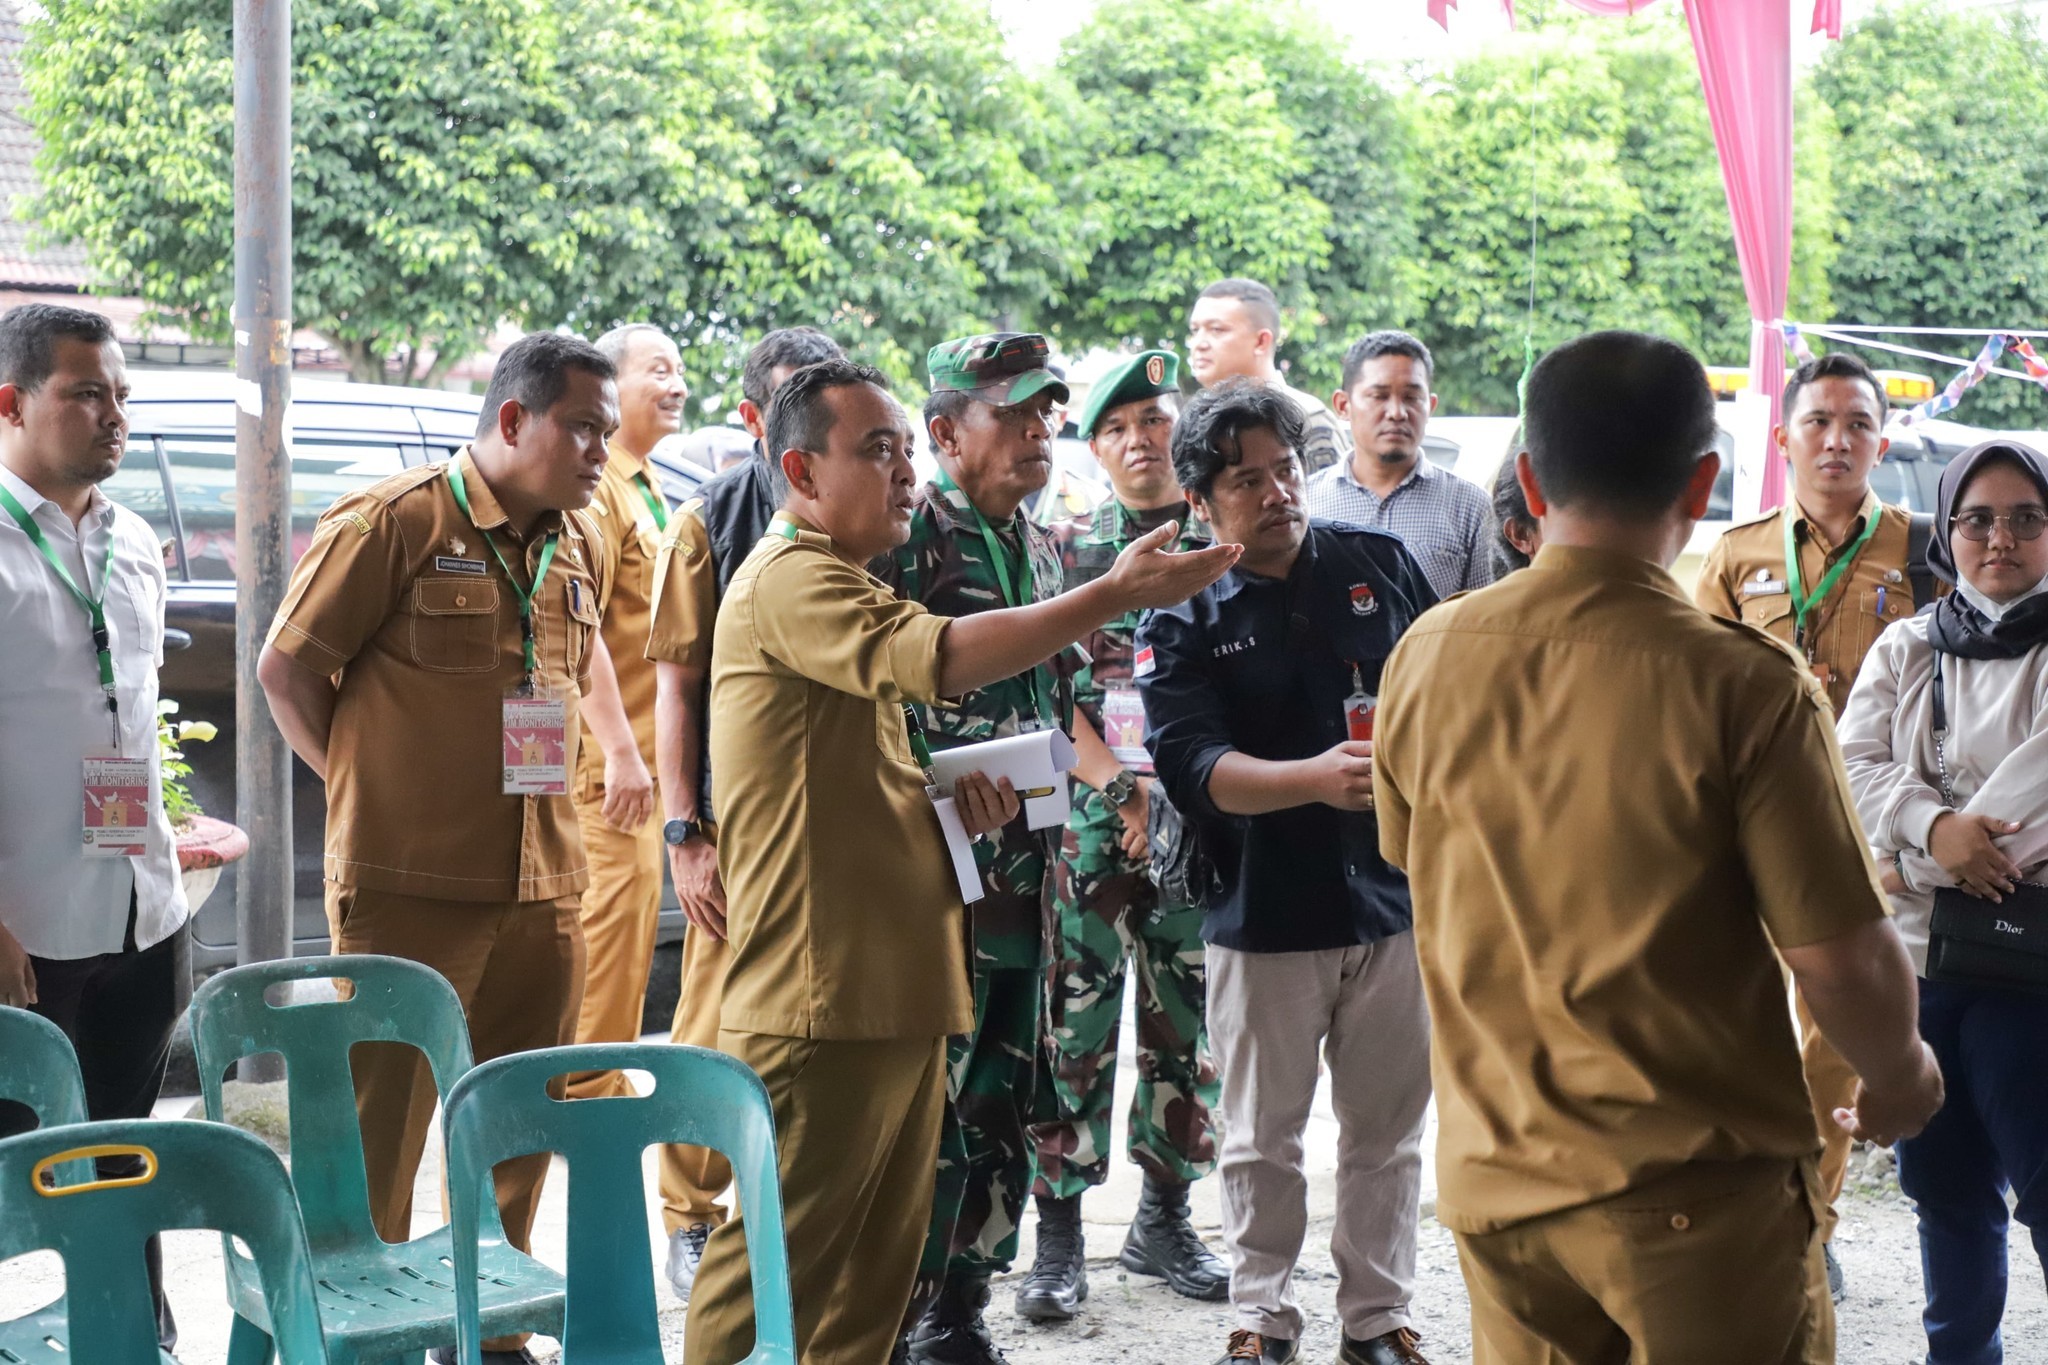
x: 921, y: 750
x: 95, y: 607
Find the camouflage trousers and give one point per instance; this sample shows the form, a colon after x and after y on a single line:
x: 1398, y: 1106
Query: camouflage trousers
x: 1110, y: 925
x: 992, y: 1081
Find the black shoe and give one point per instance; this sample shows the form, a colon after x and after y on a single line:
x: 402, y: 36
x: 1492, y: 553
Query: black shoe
x: 952, y: 1331
x: 899, y: 1354
x: 445, y: 1355
x: 1250, y: 1346
x: 1390, y: 1348
x: 1162, y: 1242
x: 685, y: 1252
x: 1058, y: 1281
x: 1837, y: 1289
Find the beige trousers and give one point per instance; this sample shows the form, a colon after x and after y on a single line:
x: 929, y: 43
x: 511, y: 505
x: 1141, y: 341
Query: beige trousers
x: 620, y: 909
x: 693, y: 1178
x: 1272, y: 1017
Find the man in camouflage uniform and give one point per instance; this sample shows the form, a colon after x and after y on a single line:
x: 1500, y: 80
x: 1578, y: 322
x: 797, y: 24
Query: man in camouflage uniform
x: 972, y: 549
x: 1108, y: 911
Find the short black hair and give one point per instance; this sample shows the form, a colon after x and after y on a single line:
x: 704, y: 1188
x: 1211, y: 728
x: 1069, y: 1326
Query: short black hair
x: 1256, y: 297
x: 948, y: 403
x: 1207, y: 439
x: 799, y: 418
x: 1618, y: 421
x: 534, y: 373
x: 1510, y: 508
x: 1373, y: 345
x: 786, y: 347
x: 29, y: 335
x: 1835, y: 365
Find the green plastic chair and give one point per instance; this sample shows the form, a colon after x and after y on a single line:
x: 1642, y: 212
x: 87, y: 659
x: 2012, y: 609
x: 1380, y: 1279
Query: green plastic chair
x: 379, y: 1301
x: 197, y: 1175
x: 39, y: 1070
x: 502, y: 1110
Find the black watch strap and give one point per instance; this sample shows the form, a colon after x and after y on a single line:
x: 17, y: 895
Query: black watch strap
x: 676, y: 833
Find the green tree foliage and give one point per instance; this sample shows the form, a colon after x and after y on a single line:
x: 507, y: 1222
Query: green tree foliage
x: 1234, y: 137
x: 909, y: 186
x: 1944, y: 155
x: 456, y: 162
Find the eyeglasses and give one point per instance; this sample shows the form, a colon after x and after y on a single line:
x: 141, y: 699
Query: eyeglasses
x: 2025, y: 524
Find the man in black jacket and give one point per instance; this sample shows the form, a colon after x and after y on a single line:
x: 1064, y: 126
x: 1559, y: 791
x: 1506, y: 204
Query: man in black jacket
x: 1258, y: 701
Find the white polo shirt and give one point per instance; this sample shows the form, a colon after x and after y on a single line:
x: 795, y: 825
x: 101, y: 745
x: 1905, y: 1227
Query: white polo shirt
x: 55, y: 900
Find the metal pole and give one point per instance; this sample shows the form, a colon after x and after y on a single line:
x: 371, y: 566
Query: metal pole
x: 263, y: 334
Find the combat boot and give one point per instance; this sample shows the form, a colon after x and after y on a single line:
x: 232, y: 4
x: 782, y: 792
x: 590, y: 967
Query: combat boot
x: 1058, y: 1281
x: 1163, y: 1242
x: 952, y: 1332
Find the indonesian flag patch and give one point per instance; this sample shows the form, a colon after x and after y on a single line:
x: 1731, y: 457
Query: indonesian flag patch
x: 1141, y: 663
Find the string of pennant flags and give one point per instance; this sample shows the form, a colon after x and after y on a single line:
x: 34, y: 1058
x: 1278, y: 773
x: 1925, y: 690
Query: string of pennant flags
x: 1996, y: 347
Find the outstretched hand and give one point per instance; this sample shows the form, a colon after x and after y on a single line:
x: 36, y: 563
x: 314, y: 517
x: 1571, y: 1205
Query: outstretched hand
x: 1147, y: 574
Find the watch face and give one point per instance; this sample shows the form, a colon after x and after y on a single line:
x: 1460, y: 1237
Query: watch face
x: 677, y: 832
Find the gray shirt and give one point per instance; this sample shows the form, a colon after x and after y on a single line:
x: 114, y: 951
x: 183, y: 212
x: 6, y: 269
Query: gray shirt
x: 1446, y: 521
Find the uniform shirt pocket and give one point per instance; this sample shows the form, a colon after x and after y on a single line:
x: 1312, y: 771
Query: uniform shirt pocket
x: 455, y: 624
x: 1765, y: 610
x: 579, y: 599
x: 892, y: 734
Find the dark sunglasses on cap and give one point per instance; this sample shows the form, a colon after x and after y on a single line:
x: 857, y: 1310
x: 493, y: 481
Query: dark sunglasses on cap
x: 2025, y: 524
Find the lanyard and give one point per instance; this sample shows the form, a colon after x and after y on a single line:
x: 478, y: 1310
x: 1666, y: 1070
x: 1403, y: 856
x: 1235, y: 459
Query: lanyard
x: 95, y: 607
x: 1041, y: 694
x: 783, y: 527
x: 1795, y: 582
x: 655, y: 502
x: 526, y: 596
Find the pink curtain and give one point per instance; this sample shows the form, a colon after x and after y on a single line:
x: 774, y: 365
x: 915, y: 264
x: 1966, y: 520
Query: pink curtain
x: 1745, y: 57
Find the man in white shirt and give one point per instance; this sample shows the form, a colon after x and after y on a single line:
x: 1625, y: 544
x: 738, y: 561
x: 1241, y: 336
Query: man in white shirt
x: 91, y: 905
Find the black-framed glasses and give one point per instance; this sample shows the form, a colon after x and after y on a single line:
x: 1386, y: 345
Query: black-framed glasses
x: 2025, y: 524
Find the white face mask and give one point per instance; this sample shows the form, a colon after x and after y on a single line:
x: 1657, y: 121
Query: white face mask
x: 1995, y: 610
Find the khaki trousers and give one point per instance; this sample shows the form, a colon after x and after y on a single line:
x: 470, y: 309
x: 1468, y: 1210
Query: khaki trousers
x: 620, y: 909
x: 1831, y: 1081
x: 517, y: 967
x: 693, y: 1178
x: 1716, y: 1265
x: 857, y: 1138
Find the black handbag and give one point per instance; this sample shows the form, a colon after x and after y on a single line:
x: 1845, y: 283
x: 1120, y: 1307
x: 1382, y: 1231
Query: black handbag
x: 1176, y: 860
x: 1971, y: 941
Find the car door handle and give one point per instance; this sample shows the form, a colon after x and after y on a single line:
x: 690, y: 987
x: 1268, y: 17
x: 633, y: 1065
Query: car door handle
x: 175, y: 640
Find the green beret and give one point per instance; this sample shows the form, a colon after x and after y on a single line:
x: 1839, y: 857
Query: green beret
x: 1144, y: 375
x: 996, y: 367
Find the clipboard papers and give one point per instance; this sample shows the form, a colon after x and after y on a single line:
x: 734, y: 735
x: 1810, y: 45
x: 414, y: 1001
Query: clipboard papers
x: 1036, y: 763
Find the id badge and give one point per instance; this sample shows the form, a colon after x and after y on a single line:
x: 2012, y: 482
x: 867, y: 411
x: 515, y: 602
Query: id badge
x: 116, y: 807
x: 536, y: 744
x: 1123, y: 726
x: 1358, y: 713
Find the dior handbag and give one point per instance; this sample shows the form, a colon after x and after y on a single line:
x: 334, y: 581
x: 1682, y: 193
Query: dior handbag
x: 1973, y: 942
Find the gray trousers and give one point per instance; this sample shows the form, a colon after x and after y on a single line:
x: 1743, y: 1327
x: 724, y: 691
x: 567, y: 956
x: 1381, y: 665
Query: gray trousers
x: 1272, y: 1016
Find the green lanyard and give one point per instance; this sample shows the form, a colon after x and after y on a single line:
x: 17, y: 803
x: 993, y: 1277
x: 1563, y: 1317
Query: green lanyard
x: 1041, y: 696
x: 782, y: 527
x: 1795, y: 582
x: 95, y: 607
x: 655, y: 504
x: 526, y: 596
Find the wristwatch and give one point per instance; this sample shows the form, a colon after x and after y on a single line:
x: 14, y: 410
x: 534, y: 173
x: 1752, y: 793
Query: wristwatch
x: 676, y: 833
x: 1122, y: 789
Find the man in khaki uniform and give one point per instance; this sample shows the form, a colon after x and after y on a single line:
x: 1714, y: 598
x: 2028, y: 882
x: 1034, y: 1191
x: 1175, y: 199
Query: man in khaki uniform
x: 426, y: 604
x: 848, y: 938
x: 707, y: 539
x: 1612, y: 808
x: 614, y: 786
x: 1859, y: 566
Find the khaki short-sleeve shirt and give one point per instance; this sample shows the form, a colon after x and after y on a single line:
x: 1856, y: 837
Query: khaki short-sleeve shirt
x: 1743, y: 579
x: 843, y: 912
x: 401, y: 597
x: 1610, y: 807
x: 685, y: 601
x: 631, y: 532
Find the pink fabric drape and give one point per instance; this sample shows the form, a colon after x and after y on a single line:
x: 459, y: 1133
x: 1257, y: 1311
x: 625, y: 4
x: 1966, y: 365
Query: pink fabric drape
x: 1745, y: 57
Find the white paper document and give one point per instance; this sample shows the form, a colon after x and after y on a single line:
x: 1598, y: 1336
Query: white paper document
x: 1033, y: 762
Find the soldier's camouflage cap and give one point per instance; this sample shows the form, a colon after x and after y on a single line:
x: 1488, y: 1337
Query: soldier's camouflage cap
x: 1142, y: 376
x: 995, y: 367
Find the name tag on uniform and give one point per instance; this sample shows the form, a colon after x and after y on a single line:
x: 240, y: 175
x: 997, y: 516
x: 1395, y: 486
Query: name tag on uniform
x: 536, y: 744
x: 1762, y: 585
x: 116, y: 807
x: 450, y: 564
x: 1123, y: 726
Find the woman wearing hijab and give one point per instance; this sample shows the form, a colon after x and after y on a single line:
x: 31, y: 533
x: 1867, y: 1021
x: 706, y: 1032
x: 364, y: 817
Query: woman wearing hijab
x: 1969, y: 809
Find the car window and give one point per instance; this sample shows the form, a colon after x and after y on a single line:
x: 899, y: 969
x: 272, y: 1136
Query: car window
x: 1893, y: 481
x: 1721, y: 502
x: 138, y: 485
x: 203, y: 480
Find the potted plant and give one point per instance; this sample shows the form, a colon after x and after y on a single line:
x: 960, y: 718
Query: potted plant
x: 205, y: 845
